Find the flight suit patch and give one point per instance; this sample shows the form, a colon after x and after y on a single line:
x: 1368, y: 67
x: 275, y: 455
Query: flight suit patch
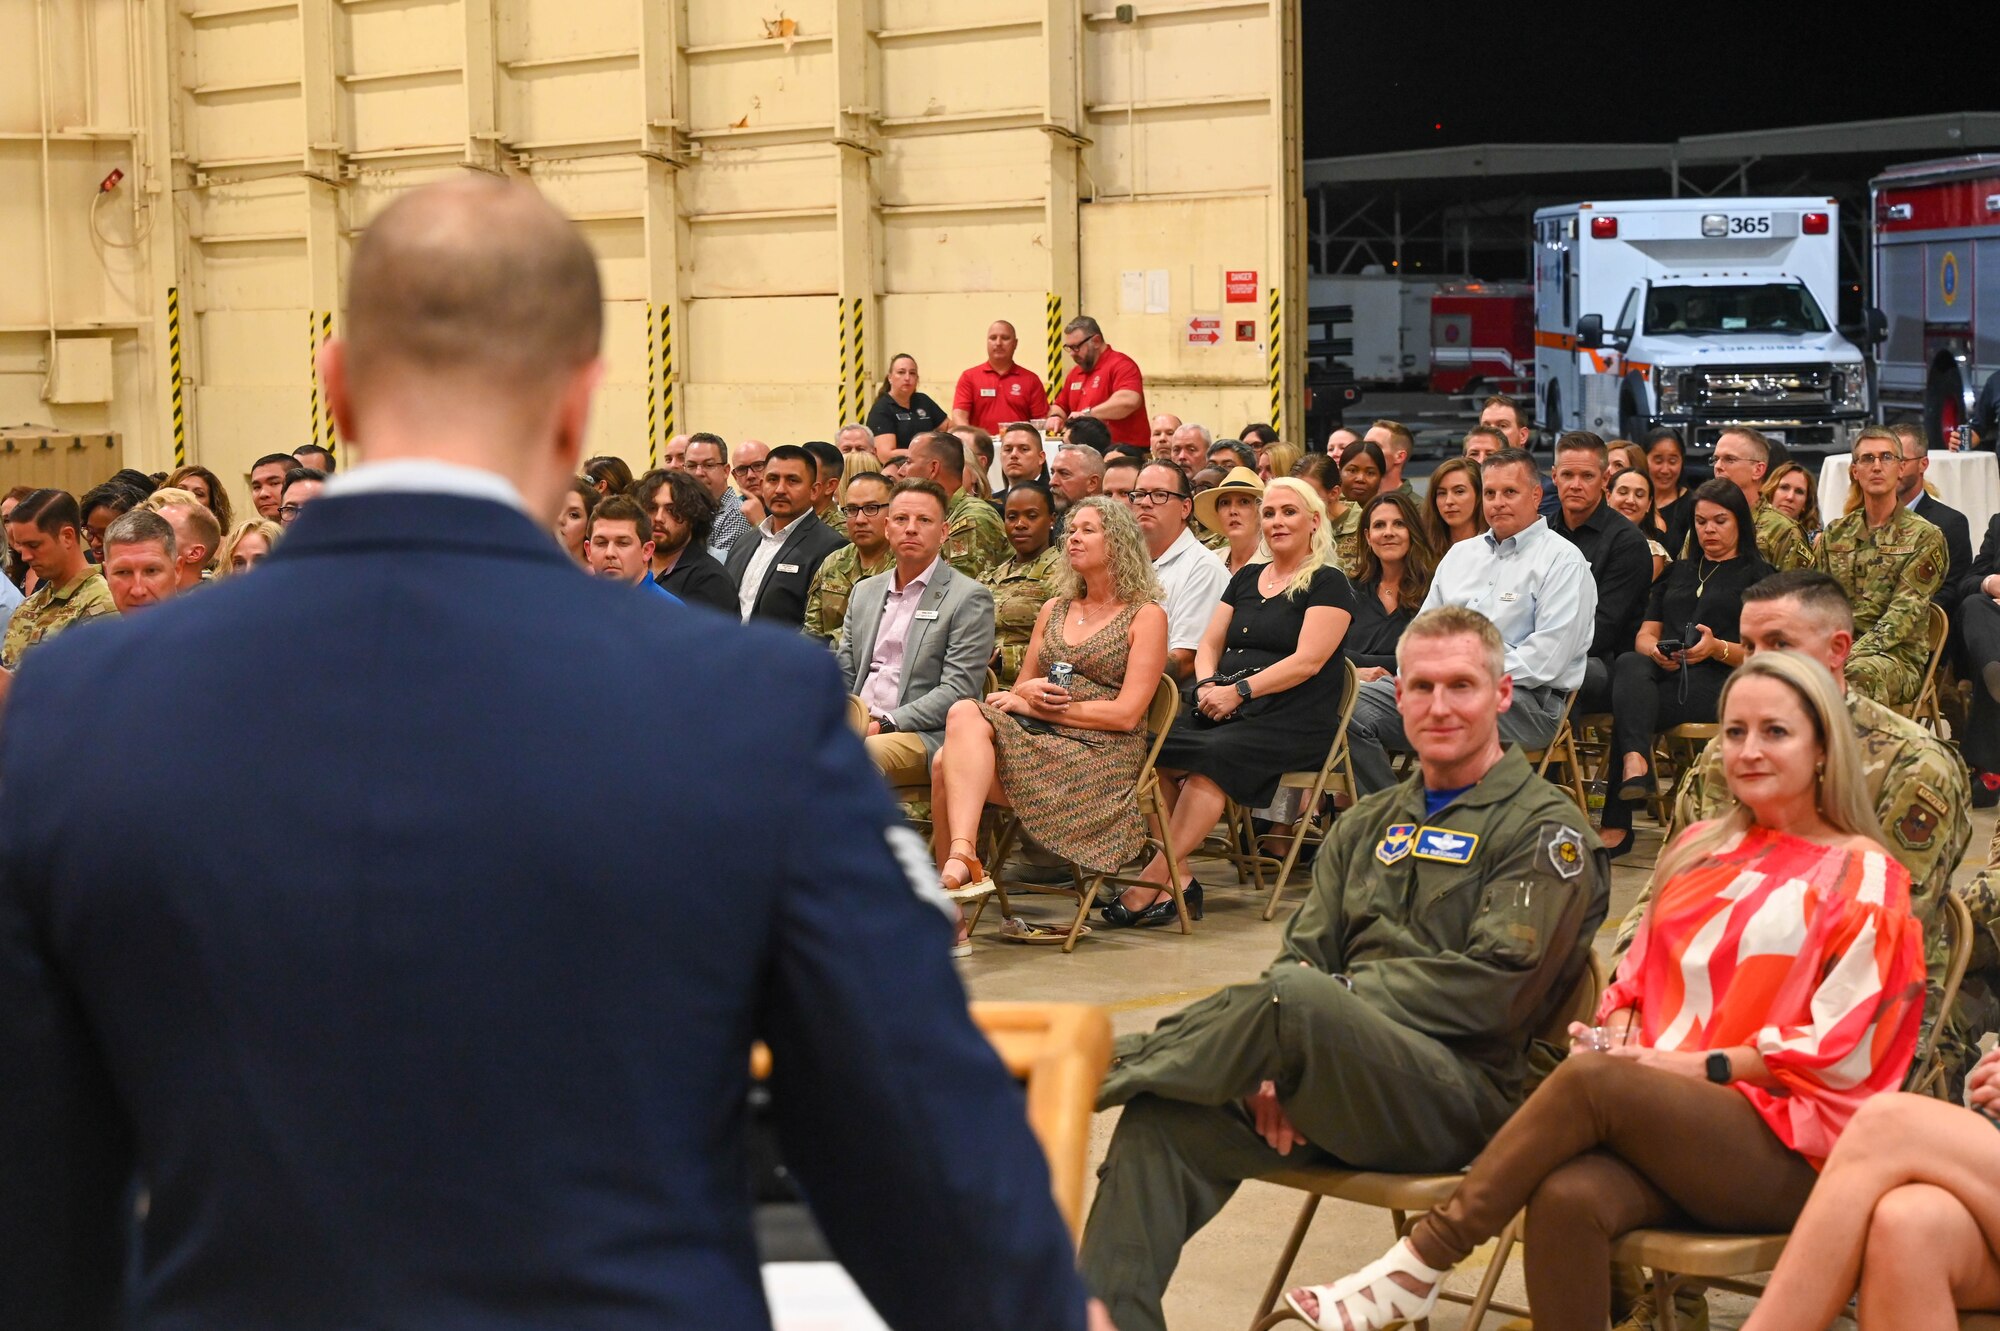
x: 1919, y: 824
x: 1446, y: 846
x: 1395, y: 842
x: 1565, y: 852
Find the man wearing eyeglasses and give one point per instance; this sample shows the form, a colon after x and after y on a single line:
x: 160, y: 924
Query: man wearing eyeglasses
x: 1192, y: 578
x: 302, y: 486
x: 1105, y: 384
x: 1742, y: 456
x: 708, y: 462
x: 746, y: 469
x: 1890, y: 562
x: 865, y: 509
x: 1911, y: 494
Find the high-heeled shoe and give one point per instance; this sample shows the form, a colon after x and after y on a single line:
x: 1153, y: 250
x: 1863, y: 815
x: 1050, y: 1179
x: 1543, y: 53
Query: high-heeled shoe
x: 1638, y: 789
x: 1121, y: 916
x: 1621, y: 850
x: 1372, y: 1298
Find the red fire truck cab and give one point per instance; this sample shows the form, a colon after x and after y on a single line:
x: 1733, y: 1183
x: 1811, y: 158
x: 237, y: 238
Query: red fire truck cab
x: 1937, y: 283
x: 1483, y: 334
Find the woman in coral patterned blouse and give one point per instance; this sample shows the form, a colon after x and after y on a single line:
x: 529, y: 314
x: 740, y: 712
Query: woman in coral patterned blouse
x: 1776, y: 986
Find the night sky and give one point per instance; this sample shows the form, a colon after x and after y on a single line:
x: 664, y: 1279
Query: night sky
x: 1508, y: 73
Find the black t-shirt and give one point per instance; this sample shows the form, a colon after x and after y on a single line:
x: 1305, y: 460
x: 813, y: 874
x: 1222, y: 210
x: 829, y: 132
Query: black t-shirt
x: 906, y: 423
x: 1675, y: 603
x: 1264, y: 630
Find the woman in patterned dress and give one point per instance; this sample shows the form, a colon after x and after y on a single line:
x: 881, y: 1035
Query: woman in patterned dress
x: 1065, y: 759
x: 1775, y: 986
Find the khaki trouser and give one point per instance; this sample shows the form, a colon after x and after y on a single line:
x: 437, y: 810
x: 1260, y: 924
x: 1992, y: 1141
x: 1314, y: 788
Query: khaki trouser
x: 901, y: 759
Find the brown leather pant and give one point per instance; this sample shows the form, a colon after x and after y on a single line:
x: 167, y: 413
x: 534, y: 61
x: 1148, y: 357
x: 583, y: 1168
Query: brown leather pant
x: 1603, y: 1147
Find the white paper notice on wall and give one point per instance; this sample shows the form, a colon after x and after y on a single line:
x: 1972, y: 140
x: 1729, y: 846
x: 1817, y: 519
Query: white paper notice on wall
x: 1157, y: 291
x: 1131, y: 291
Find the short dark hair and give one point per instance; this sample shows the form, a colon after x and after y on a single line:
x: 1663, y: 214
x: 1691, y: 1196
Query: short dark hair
x: 689, y: 501
x: 921, y: 486
x: 1584, y: 441
x: 827, y: 459
x: 1089, y: 430
x: 138, y: 527
x: 322, y: 450
x: 1032, y: 487
x: 881, y: 478
x: 1730, y: 496
x: 1127, y: 453
x: 1816, y: 591
x: 114, y: 495
x: 285, y: 460
x: 1513, y: 457
x: 137, y: 480
x: 1262, y: 433
x: 50, y: 511
x: 704, y: 437
x: 297, y: 474
x: 793, y: 453
x: 1125, y: 457
x: 1365, y: 448
x: 1245, y: 455
x: 1664, y: 434
x: 1180, y: 474
x: 621, y: 508
x: 1493, y: 432
x: 946, y: 448
x: 1506, y: 403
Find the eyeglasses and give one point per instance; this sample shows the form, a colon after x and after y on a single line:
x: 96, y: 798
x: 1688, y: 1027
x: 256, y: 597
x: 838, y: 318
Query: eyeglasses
x: 746, y: 469
x: 862, y: 510
x: 1877, y: 459
x: 286, y: 512
x: 707, y: 466
x: 1729, y: 459
x: 1073, y: 347
x: 1153, y: 496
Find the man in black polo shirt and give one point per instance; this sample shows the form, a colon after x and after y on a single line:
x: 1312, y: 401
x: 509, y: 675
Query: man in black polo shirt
x: 1620, y: 562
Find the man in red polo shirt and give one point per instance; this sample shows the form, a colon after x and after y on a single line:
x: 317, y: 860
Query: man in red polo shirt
x: 1105, y: 384
x: 998, y: 393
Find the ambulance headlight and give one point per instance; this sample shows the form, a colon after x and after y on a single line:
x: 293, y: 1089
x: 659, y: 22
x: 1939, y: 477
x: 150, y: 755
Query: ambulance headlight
x: 1851, y: 388
x: 1666, y: 389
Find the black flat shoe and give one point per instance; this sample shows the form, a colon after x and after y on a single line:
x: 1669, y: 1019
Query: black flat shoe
x: 1121, y: 916
x: 1621, y: 850
x: 1637, y: 789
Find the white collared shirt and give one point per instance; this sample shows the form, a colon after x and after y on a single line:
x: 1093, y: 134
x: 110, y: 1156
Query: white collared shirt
x: 1192, y: 580
x: 425, y: 476
x: 769, y: 539
x: 1537, y: 589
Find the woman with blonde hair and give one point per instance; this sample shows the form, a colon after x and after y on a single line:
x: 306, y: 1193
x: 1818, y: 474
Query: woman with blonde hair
x: 1265, y: 699
x: 246, y: 546
x: 1278, y: 460
x: 1775, y: 986
x: 1064, y: 753
x: 205, y: 486
x: 1791, y: 489
x: 854, y: 464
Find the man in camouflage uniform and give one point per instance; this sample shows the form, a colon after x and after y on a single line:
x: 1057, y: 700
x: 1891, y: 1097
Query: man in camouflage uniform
x: 829, y: 463
x: 1022, y: 585
x: 974, y: 540
x: 1890, y: 562
x: 826, y: 598
x: 48, y: 531
x: 1741, y: 457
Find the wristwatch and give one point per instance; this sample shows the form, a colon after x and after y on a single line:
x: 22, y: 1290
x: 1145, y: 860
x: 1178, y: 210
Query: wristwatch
x: 886, y: 724
x: 1243, y: 689
x: 1719, y: 1070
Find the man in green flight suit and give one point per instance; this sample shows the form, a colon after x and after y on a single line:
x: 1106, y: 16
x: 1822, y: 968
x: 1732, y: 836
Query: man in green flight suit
x: 1890, y: 563
x: 1450, y: 919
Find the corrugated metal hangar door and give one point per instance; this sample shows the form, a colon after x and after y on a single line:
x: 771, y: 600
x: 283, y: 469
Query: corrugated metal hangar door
x: 782, y: 195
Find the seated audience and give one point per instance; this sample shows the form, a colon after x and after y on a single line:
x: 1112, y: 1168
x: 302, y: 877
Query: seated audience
x: 1620, y: 563
x: 18, y: 577
x: 1977, y: 618
x: 1278, y: 460
x: 1090, y: 432
x: 1447, y: 923
x: 1482, y: 442
x: 1160, y: 441
x: 1771, y: 992
x: 1901, y: 1219
x: 772, y: 564
x: 1791, y: 490
x: 1266, y: 693
x: 1230, y: 509
x: 621, y: 545
x: 1891, y: 563
x: 196, y: 532
x: 1023, y: 584
x: 681, y: 513
x: 1338, y: 438
x: 974, y: 540
x: 302, y: 486
x: 1535, y: 588
x: 1191, y: 577
x: 573, y: 522
x: 306, y: 455
x: 1631, y: 494
x: 1190, y: 445
x: 1741, y: 456
x: 1322, y: 472
x: 267, y: 483
x: 141, y: 565
x: 1914, y: 494
x: 1395, y: 441
x: 1509, y: 417
x: 865, y: 506
x: 1397, y: 562
x: 1695, y: 611
x: 611, y: 475
x: 1258, y: 435
x: 1066, y: 759
x: 246, y: 546
x: 916, y: 639
x: 1622, y: 455
x: 1452, y: 508
x: 978, y: 459
x: 746, y: 470
x: 48, y: 531
x: 102, y: 505
x: 1673, y: 492
x: 1022, y: 457
x: 852, y: 465
x: 1361, y: 469
x: 207, y: 489
x: 1121, y: 478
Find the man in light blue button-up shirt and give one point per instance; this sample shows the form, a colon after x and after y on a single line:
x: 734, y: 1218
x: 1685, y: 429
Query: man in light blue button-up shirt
x: 1535, y: 587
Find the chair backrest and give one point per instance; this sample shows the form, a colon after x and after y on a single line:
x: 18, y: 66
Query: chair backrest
x: 1929, y: 1074
x: 1936, y: 631
x: 1160, y: 714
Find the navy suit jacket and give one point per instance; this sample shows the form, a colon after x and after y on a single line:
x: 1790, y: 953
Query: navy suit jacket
x: 1957, y: 544
x: 416, y: 1001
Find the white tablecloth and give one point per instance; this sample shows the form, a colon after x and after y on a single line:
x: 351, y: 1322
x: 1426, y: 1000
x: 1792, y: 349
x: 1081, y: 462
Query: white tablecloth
x: 1969, y: 482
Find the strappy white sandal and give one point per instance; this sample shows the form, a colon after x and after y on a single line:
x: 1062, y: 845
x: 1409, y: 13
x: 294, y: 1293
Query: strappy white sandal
x: 1371, y: 1297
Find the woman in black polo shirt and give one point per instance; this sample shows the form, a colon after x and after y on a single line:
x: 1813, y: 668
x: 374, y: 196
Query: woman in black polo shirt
x: 900, y: 412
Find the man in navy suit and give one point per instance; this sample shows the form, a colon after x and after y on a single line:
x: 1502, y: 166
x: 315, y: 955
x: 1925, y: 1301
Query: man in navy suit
x: 772, y: 564
x: 439, y: 1056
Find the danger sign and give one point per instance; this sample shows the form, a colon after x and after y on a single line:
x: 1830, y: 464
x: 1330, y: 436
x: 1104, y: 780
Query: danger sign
x: 1204, y: 330
x: 1239, y: 286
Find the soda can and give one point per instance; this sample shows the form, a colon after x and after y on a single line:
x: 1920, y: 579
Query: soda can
x: 1060, y: 674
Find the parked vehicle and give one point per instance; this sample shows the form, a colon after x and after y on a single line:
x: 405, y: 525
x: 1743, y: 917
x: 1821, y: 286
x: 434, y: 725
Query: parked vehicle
x: 1483, y: 338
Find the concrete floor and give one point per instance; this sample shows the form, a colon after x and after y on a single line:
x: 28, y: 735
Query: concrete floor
x: 1142, y: 976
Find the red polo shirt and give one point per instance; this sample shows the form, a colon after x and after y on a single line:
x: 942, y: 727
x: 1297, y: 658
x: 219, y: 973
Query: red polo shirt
x: 990, y: 399
x: 1115, y: 371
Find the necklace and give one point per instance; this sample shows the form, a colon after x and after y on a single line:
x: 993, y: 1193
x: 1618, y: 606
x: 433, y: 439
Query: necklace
x: 1701, y: 578
x: 1084, y: 613
x: 1270, y: 569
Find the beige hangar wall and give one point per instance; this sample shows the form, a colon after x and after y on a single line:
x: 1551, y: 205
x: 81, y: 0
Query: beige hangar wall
x: 769, y: 186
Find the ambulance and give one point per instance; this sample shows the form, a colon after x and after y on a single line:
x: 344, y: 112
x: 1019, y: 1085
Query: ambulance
x: 1696, y: 313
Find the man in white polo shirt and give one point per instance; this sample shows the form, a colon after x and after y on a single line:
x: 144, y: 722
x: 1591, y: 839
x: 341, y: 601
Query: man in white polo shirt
x: 1192, y: 577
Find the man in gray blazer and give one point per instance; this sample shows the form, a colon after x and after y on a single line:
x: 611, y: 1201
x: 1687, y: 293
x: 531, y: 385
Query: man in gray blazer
x: 916, y: 639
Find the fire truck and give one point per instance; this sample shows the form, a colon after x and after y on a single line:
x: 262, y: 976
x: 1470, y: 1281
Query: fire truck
x: 1483, y: 337
x: 1696, y: 313
x: 1937, y: 263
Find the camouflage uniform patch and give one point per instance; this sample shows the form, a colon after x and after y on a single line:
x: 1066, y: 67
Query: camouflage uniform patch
x: 826, y: 598
x: 51, y: 610
x: 974, y: 540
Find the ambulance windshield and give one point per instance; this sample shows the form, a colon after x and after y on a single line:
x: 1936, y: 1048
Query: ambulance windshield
x: 1775, y: 307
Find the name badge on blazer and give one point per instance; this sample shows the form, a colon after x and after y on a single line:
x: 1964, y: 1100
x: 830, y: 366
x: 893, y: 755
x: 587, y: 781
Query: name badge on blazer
x: 788, y: 568
x: 926, y: 614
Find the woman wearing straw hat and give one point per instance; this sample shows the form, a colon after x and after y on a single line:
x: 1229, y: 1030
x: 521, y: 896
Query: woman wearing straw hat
x: 1229, y: 509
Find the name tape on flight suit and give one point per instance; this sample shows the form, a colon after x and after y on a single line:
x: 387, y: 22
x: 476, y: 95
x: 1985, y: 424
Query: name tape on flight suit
x: 1445, y: 846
